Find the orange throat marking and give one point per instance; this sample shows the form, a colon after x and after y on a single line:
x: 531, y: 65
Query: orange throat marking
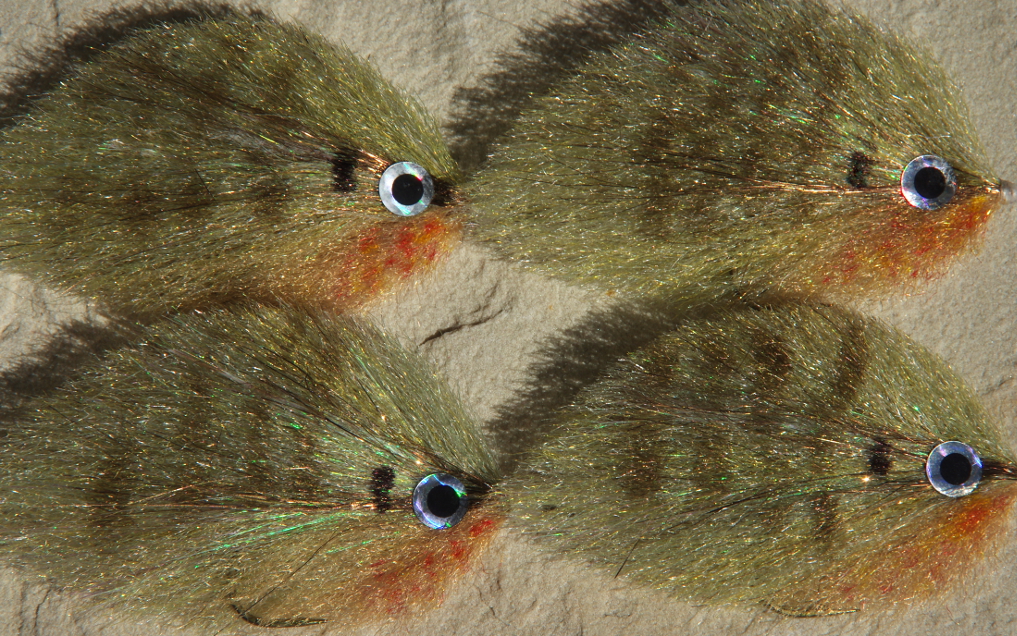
x: 431, y: 562
x: 391, y: 253
x: 909, y: 247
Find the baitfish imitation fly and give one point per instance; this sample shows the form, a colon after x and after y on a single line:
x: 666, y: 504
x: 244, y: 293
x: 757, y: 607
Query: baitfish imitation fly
x: 288, y: 470
x: 255, y: 463
x: 237, y: 387
x: 804, y: 458
x: 739, y: 147
x: 196, y: 163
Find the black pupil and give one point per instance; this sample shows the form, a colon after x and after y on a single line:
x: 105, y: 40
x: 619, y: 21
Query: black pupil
x: 443, y: 501
x: 407, y: 189
x: 955, y: 469
x: 929, y: 182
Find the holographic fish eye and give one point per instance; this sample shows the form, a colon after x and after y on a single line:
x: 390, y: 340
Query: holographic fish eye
x: 954, y: 469
x: 406, y: 189
x: 928, y: 182
x: 439, y: 500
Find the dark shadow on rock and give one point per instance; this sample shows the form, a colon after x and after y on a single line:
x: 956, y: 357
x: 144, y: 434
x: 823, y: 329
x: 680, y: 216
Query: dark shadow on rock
x: 543, y: 56
x: 40, y: 70
x: 571, y: 360
x: 74, y: 344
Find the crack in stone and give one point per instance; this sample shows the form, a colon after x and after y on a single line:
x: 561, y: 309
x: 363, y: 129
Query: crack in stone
x: 457, y: 326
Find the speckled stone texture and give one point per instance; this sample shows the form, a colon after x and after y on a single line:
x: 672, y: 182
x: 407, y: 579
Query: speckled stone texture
x: 485, y: 323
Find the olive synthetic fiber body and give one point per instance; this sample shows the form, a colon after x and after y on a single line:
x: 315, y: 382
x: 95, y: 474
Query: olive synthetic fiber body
x: 775, y: 456
x: 738, y: 147
x: 258, y: 464
x: 199, y: 162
